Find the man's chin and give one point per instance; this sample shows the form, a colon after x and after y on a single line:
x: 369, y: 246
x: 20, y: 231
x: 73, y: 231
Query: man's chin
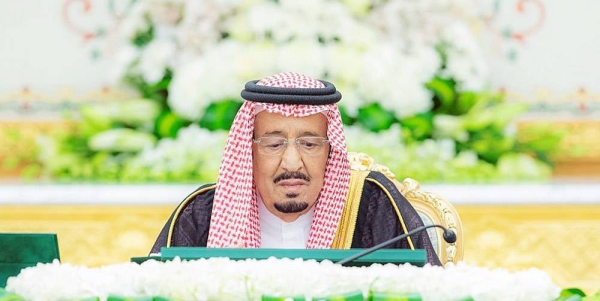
x: 291, y: 206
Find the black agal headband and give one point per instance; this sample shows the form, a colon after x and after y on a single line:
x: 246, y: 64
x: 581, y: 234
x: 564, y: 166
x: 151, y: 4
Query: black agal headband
x: 291, y: 96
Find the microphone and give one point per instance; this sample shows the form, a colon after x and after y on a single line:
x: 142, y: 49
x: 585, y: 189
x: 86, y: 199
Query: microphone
x: 449, y: 237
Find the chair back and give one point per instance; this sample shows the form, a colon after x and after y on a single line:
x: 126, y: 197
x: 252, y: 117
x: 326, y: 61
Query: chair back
x: 432, y: 208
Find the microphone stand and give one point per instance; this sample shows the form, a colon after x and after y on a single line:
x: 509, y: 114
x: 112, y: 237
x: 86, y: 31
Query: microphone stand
x: 449, y: 236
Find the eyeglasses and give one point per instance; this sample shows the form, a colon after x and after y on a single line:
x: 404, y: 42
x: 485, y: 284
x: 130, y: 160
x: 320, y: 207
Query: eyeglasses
x: 274, y: 146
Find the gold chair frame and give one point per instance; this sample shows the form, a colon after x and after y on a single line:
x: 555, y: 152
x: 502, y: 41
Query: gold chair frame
x: 431, y: 207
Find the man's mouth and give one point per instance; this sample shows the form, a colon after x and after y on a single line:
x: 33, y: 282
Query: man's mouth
x: 291, y: 176
x: 292, y: 182
x: 292, y: 185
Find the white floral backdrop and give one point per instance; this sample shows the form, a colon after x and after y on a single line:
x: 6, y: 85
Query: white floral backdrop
x: 383, y: 51
x: 413, y: 79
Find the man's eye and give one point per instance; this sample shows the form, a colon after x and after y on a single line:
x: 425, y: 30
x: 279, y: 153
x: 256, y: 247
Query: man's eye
x: 275, y: 145
x: 307, y: 144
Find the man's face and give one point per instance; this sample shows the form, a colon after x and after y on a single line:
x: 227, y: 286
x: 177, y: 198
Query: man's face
x: 289, y: 183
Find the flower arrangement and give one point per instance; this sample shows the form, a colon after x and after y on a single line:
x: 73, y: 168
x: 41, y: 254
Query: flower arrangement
x: 411, y: 73
x: 278, y: 279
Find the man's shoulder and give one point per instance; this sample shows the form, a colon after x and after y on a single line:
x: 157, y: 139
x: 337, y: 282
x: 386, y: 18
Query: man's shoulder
x: 378, y: 180
x: 379, y: 187
x: 204, y: 189
x: 202, y: 195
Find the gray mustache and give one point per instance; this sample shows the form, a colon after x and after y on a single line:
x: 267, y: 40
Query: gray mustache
x: 291, y: 175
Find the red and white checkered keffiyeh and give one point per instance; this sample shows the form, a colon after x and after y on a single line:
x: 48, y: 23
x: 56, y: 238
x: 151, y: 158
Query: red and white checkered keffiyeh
x: 234, y: 219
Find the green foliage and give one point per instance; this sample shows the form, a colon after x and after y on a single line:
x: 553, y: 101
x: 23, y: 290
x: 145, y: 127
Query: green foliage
x: 220, y: 115
x: 143, y: 37
x: 467, y: 136
x: 576, y: 294
x: 445, y: 94
x: 465, y: 139
x: 419, y: 127
x: 167, y: 124
x: 346, y: 118
x: 156, y: 91
x: 375, y: 118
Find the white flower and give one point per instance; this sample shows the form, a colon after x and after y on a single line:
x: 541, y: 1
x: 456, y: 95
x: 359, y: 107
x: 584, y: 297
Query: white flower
x: 224, y: 279
x: 344, y: 64
x: 304, y: 56
x: 449, y: 126
x: 134, y: 23
x: 186, y: 97
x: 466, y: 158
x: 255, y: 62
x: 121, y: 62
x: 202, y: 25
x: 335, y: 21
x: 134, y: 111
x: 395, y: 80
x: 122, y: 140
x: 218, y: 74
x: 194, y: 150
x: 365, y: 35
x: 377, y: 51
x: 239, y: 29
x: 155, y: 59
x: 167, y: 12
x: 264, y: 18
x: 358, y: 7
x: 465, y: 62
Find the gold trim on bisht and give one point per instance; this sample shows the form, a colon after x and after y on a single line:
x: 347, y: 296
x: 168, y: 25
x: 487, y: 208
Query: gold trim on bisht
x: 345, y: 231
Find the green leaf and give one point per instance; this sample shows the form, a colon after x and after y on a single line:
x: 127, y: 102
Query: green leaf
x: 489, y: 144
x: 571, y: 294
x: 542, y: 137
x: 346, y: 118
x: 466, y: 101
x: 220, y: 115
x: 570, y: 298
x: 155, y: 91
x: 375, y: 118
x: 144, y: 37
x: 420, y: 126
x: 31, y: 171
x: 10, y: 163
x: 445, y: 92
x: 93, y: 122
x: 168, y: 124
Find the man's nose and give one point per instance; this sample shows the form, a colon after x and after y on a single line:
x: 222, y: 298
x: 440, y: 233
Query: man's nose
x: 291, y: 159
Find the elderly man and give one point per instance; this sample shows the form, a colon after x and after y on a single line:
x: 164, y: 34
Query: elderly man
x: 284, y: 181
